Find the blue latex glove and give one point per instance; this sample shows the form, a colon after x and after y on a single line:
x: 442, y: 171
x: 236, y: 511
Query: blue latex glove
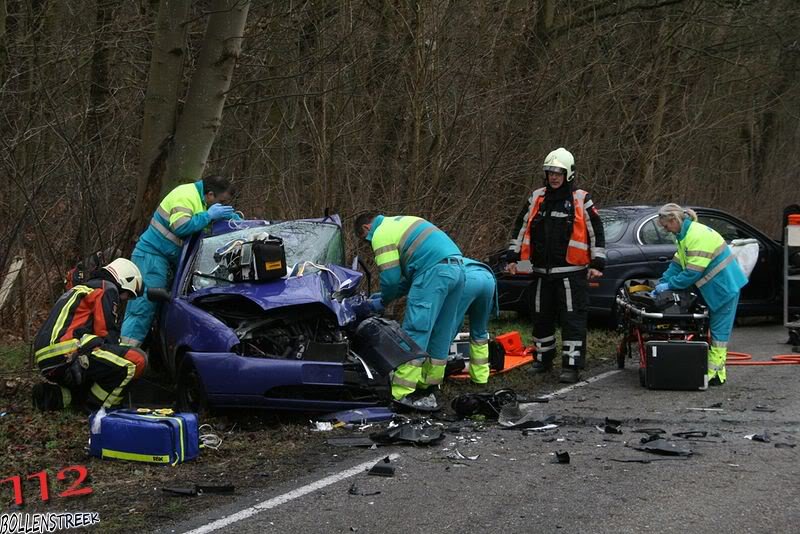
x: 236, y: 216
x: 376, y: 304
x: 660, y: 288
x: 220, y: 211
x: 376, y: 295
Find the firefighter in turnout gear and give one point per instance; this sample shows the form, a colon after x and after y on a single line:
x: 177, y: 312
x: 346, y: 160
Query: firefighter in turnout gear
x: 703, y: 259
x: 417, y: 259
x: 559, y: 239
x: 77, y: 349
x: 186, y: 210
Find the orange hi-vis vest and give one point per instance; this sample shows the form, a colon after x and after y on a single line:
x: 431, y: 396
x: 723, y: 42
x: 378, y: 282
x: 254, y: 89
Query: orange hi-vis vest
x: 578, y: 248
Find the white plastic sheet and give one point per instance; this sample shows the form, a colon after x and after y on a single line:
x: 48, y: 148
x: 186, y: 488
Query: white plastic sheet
x: 746, y: 253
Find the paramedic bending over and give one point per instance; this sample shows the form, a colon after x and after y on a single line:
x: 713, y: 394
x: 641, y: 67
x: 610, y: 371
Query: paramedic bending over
x: 704, y: 259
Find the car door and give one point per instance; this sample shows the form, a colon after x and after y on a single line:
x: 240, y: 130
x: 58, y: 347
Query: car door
x: 763, y: 281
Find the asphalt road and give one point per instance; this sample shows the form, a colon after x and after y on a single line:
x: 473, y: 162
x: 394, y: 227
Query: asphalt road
x: 728, y: 484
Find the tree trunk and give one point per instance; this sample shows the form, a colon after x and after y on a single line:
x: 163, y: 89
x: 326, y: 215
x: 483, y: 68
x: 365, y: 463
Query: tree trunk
x: 160, y: 106
x: 202, y: 114
x: 3, y: 41
x: 96, y: 117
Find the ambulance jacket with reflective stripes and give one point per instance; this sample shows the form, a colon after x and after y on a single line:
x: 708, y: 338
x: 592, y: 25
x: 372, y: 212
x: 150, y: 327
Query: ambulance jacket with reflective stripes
x: 558, y: 231
x: 90, y: 308
x: 403, y: 246
x: 181, y: 214
x: 704, y: 259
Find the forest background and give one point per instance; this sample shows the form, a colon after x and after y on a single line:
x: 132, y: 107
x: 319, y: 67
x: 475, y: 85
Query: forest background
x: 439, y: 108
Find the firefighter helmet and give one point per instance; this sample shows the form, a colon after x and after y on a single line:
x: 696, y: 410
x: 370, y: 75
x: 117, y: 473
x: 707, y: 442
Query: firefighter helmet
x: 127, y: 275
x: 560, y: 160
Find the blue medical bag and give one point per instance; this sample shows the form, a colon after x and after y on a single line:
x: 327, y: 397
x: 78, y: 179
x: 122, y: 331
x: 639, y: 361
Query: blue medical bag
x: 144, y: 435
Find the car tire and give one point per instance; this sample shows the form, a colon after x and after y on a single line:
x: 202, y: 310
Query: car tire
x: 191, y: 394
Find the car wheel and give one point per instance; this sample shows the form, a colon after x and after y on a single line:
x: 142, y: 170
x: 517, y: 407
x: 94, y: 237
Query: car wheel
x: 191, y: 394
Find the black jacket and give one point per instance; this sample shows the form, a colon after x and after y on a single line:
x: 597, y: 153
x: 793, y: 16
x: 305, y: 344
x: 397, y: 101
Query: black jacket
x: 552, y: 228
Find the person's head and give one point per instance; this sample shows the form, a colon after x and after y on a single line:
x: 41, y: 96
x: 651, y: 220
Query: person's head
x: 127, y: 277
x: 217, y: 190
x: 559, y: 167
x: 671, y: 217
x: 363, y: 223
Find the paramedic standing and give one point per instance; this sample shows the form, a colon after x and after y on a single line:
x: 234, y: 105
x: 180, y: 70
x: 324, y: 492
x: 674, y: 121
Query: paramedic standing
x: 416, y: 258
x: 187, y: 209
x: 560, y: 233
x: 477, y: 301
x: 77, y: 348
x: 703, y: 259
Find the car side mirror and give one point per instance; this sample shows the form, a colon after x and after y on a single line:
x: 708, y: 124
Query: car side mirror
x: 158, y: 294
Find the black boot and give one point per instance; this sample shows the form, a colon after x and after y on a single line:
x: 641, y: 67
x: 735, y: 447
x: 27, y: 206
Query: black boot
x: 569, y: 375
x: 539, y: 368
x: 47, y: 397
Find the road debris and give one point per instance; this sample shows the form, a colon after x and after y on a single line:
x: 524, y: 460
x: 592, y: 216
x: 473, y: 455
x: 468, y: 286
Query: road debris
x: 198, y: 489
x: 663, y: 446
x: 351, y: 441
x: 456, y: 455
x: 383, y: 468
x: 763, y: 438
x: 561, y: 458
x: 354, y: 490
x: 418, y: 433
x: 361, y: 416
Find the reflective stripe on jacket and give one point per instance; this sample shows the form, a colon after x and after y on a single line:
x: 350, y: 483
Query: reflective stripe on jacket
x: 405, y: 245
x: 181, y: 213
x: 91, y: 308
x: 704, y: 259
x: 579, y: 242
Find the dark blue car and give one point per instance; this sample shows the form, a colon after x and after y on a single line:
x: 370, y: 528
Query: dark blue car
x: 282, y: 344
x: 637, y: 247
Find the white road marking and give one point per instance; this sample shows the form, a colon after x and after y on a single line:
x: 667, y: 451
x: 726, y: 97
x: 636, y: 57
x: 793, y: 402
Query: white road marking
x: 580, y: 384
x: 286, y: 497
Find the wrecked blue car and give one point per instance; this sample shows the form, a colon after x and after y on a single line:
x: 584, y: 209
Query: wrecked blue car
x: 234, y: 335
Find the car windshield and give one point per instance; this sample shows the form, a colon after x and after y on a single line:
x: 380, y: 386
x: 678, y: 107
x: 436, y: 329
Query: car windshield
x: 303, y: 241
x: 614, y: 223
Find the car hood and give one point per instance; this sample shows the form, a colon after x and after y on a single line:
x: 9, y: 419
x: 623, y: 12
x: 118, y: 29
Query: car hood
x: 316, y: 287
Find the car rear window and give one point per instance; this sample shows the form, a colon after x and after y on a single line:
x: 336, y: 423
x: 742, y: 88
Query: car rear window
x: 614, y: 223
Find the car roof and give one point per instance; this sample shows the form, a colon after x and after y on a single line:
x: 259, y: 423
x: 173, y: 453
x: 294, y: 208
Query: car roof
x: 649, y: 208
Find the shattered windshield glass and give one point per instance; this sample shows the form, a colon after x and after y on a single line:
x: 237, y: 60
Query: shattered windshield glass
x: 303, y: 241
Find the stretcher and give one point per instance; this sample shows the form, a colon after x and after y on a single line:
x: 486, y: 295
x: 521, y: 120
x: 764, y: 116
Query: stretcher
x: 646, y: 320
x: 516, y: 355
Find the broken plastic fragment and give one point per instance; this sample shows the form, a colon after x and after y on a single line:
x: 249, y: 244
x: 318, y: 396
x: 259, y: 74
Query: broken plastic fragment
x: 417, y: 433
x: 355, y: 491
x: 361, y: 415
x: 665, y: 447
x: 456, y: 455
x: 562, y: 457
x: 529, y: 431
x: 351, y: 441
x: 763, y: 438
x: 382, y: 469
x: 760, y: 408
x: 691, y: 434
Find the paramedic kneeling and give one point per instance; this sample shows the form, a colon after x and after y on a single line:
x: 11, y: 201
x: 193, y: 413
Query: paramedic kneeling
x: 704, y: 259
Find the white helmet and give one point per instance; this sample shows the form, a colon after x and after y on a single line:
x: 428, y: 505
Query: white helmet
x: 560, y: 160
x: 127, y: 275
